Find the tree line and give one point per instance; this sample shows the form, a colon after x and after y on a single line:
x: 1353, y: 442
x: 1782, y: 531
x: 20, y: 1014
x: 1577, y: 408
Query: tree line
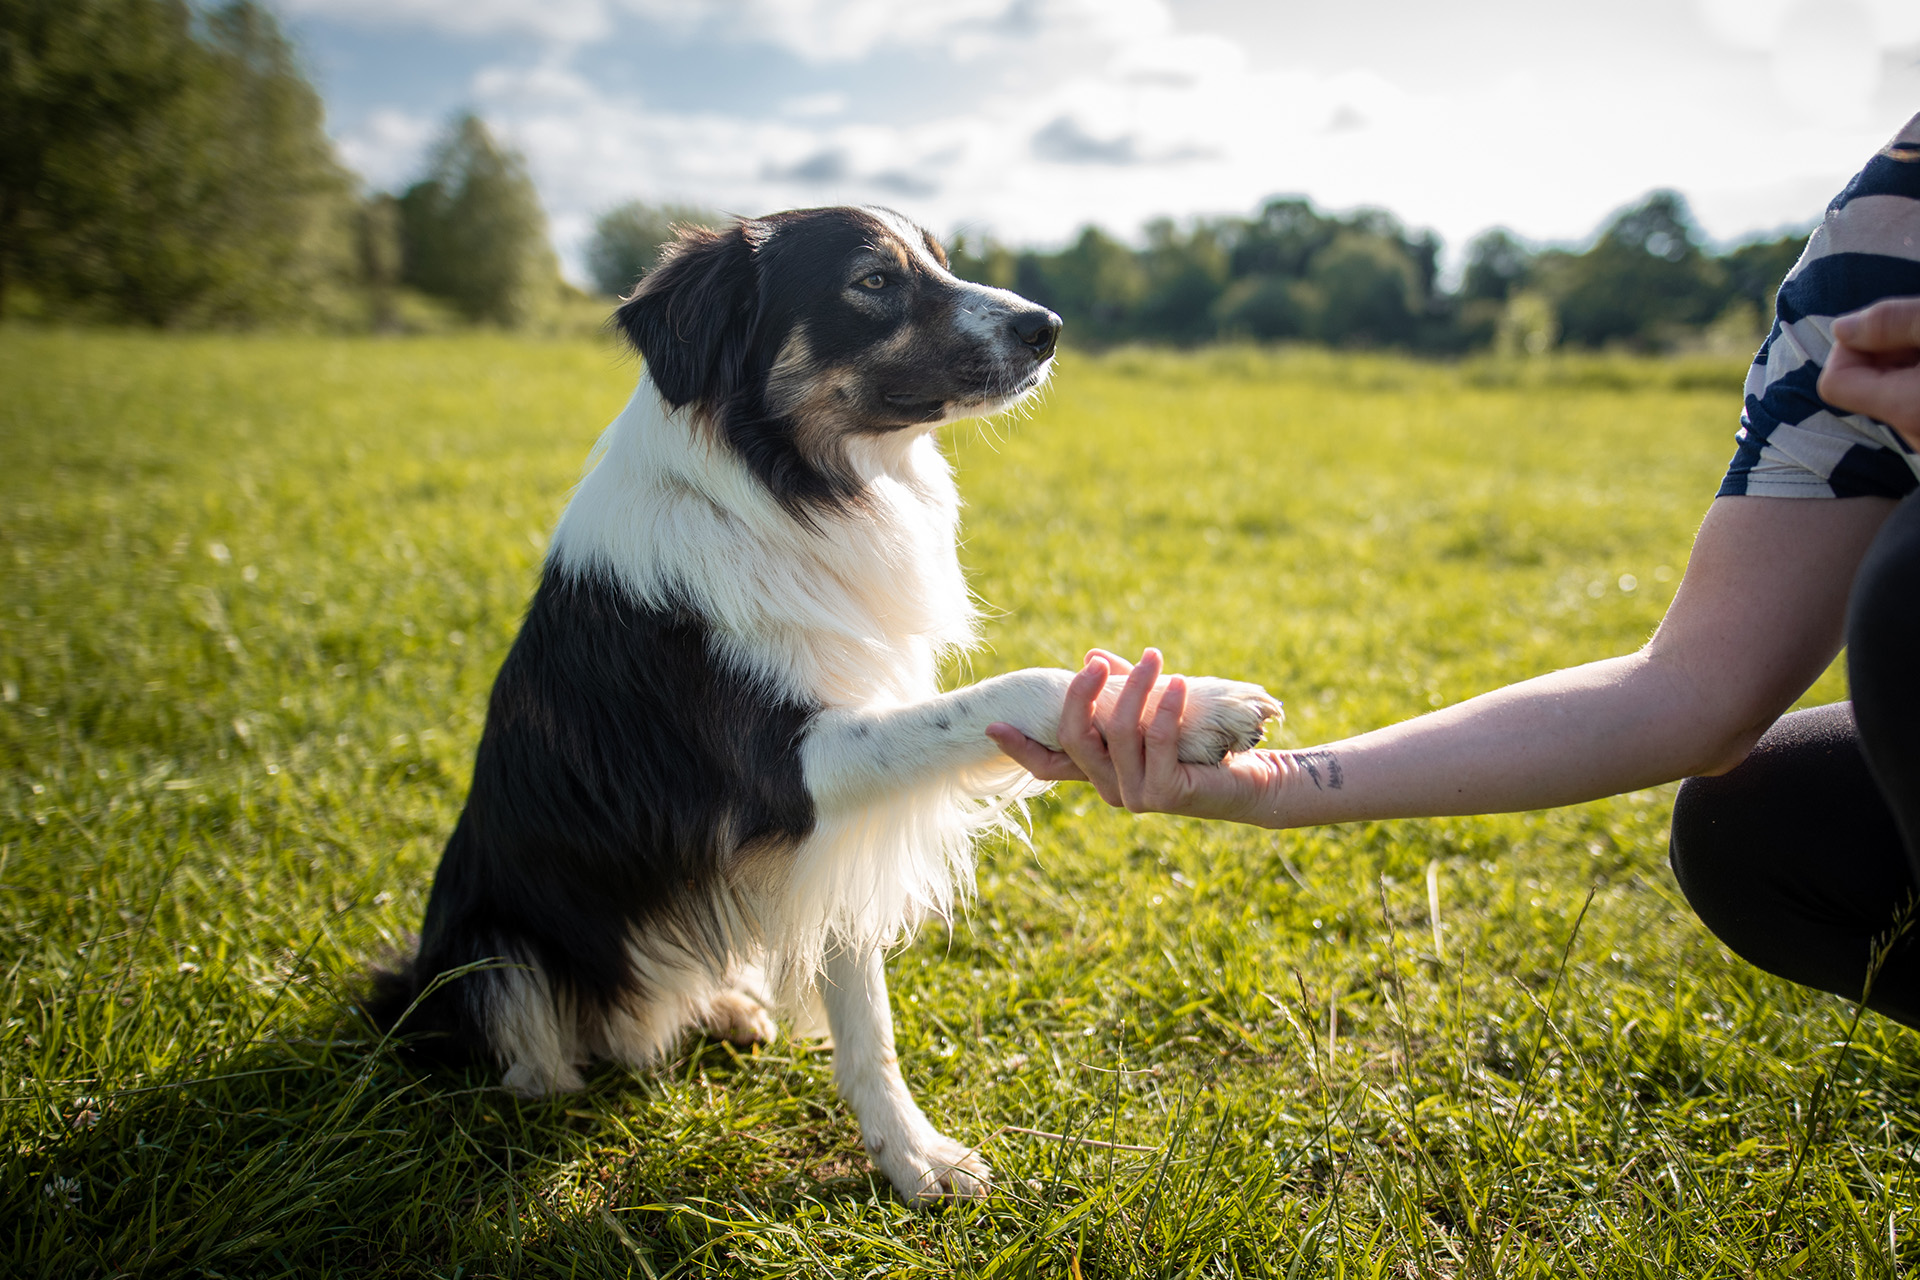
x: 167, y: 164
x: 1292, y: 272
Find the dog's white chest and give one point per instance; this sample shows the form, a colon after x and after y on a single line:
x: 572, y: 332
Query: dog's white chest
x: 876, y: 603
x: 856, y: 610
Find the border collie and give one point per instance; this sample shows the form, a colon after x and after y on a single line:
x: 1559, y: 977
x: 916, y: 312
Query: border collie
x: 718, y: 772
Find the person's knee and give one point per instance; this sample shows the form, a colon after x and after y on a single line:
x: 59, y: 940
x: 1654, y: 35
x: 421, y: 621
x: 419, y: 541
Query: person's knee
x: 1770, y: 801
x: 1741, y: 885
x: 1710, y: 859
x: 1744, y: 843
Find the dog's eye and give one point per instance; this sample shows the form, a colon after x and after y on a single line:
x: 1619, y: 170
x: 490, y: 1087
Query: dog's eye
x: 875, y: 281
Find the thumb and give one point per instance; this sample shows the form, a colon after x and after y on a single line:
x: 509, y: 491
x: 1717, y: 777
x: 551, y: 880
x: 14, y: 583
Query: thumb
x: 1891, y: 324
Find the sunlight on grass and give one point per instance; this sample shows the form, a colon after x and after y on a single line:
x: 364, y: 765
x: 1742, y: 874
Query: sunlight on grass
x: 257, y: 590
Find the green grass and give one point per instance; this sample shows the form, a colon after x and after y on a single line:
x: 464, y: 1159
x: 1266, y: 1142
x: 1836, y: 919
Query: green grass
x: 256, y: 589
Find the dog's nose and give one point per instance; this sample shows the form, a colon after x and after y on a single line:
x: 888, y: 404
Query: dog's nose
x: 1038, y: 331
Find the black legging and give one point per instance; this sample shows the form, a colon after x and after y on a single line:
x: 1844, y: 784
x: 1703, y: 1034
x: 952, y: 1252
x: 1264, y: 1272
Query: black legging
x: 1805, y: 858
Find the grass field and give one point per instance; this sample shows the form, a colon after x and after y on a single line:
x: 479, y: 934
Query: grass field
x: 255, y: 592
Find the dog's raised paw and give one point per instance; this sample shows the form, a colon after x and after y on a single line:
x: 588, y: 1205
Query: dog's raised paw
x: 1222, y: 717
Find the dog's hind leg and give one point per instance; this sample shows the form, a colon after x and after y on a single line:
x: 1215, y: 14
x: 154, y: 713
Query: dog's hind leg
x: 737, y: 1018
x: 675, y: 990
x: 737, y: 1011
x: 922, y: 1163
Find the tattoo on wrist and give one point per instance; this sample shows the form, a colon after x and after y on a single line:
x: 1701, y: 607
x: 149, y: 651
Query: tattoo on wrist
x: 1315, y: 762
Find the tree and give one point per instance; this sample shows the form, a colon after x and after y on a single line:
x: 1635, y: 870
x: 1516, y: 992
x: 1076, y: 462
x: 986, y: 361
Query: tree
x: 627, y: 240
x: 1497, y: 265
x: 1755, y: 270
x: 985, y: 262
x: 1644, y: 279
x: 473, y: 233
x: 1095, y: 284
x: 1527, y: 327
x: 164, y: 164
x: 1281, y: 240
x: 1268, y: 307
x: 1186, y: 275
x: 1422, y: 253
x: 378, y: 241
x: 1369, y: 291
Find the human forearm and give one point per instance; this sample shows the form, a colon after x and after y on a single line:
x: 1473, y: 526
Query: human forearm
x: 1557, y: 739
x: 1561, y: 738
x: 1756, y: 619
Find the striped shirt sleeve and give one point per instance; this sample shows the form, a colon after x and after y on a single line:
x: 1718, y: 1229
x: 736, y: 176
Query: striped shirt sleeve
x: 1791, y: 443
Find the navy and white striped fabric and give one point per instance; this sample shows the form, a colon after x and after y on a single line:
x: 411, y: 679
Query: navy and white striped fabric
x: 1792, y: 443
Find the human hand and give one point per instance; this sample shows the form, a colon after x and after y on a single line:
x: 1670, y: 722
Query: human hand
x: 1135, y: 764
x: 1875, y: 365
x: 1079, y: 730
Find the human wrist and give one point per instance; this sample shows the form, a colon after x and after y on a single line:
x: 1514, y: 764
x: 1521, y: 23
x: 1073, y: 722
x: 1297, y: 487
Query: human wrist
x: 1263, y: 792
x: 1297, y: 788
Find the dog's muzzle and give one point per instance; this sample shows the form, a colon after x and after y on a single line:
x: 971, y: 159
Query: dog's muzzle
x: 1037, y: 330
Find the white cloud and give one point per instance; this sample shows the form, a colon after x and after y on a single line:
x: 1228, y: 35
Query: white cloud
x: 548, y: 82
x: 1826, y: 57
x: 833, y: 102
x: 387, y: 150
x: 823, y: 31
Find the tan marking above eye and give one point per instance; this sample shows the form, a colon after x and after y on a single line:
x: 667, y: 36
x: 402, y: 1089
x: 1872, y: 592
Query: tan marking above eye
x: 935, y: 249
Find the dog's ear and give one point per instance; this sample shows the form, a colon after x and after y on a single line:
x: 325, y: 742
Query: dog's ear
x: 692, y: 317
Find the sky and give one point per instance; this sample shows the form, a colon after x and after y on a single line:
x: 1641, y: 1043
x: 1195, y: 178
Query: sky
x: 1028, y: 119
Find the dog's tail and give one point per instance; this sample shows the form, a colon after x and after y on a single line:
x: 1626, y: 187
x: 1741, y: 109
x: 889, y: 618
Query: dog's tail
x: 424, y: 1014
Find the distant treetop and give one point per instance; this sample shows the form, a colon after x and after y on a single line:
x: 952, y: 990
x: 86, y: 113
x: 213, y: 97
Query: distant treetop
x: 472, y: 231
x: 627, y: 241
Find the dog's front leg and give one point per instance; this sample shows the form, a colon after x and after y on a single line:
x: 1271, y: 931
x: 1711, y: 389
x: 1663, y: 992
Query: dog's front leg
x: 922, y: 1163
x: 851, y: 756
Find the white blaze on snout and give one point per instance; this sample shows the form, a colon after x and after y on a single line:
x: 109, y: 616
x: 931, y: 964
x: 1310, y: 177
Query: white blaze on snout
x: 981, y: 311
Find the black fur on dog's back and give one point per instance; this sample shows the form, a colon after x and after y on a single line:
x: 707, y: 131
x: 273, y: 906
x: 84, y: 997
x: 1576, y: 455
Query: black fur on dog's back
x: 620, y: 769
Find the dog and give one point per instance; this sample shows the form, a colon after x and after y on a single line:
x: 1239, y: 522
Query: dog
x: 718, y: 773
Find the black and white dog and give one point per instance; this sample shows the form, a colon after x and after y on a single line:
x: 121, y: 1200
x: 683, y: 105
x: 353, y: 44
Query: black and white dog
x: 717, y: 766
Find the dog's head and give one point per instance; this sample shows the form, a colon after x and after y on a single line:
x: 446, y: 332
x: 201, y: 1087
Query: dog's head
x: 795, y: 334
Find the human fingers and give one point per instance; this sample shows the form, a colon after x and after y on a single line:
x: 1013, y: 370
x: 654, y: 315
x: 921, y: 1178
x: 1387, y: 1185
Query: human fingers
x: 1891, y: 324
x: 1125, y: 725
x: 1161, y: 785
x: 1239, y: 788
x: 1864, y: 382
x: 1034, y: 757
x: 1080, y: 737
x: 1118, y: 665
